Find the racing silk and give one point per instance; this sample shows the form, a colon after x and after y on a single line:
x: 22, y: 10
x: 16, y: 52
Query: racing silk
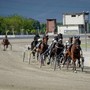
x: 70, y: 42
x: 52, y: 46
x: 59, y: 48
x: 38, y: 44
x: 60, y: 36
x: 36, y: 37
x: 43, y: 47
x: 67, y: 45
x: 33, y: 44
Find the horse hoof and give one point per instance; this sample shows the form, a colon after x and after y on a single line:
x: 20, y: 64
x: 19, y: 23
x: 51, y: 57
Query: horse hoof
x: 62, y: 66
x: 43, y: 64
x: 34, y: 57
x: 48, y: 63
x: 79, y: 65
x: 75, y: 71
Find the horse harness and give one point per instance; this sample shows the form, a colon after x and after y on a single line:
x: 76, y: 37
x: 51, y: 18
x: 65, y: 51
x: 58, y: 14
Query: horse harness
x: 43, y: 47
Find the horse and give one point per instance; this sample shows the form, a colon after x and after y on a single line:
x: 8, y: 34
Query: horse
x: 56, y: 52
x: 33, y: 45
x: 42, y: 50
x: 74, y: 54
x: 51, y: 55
x: 5, y: 43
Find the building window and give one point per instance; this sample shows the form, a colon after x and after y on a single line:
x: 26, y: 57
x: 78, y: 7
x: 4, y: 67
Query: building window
x: 73, y: 15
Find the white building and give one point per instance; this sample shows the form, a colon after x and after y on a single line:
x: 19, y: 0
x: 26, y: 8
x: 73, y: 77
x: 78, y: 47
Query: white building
x: 74, y: 23
x: 68, y: 30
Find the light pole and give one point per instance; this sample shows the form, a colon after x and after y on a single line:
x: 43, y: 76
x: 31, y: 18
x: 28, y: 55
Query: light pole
x: 86, y: 22
x: 38, y: 30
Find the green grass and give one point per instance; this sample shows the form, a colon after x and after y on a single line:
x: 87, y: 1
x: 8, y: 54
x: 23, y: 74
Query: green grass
x: 84, y: 45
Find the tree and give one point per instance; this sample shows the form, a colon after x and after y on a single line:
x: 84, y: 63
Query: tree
x: 43, y: 28
x: 15, y: 24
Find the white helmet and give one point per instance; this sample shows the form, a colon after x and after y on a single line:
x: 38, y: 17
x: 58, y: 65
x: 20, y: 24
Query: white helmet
x: 39, y: 39
x: 54, y: 41
x: 67, y: 42
x: 60, y: 40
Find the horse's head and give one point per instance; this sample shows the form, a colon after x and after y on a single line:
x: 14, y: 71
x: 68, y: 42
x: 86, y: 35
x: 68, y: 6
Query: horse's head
x: 77, y: 46
x: 45, y: 39
x: 76, y: 43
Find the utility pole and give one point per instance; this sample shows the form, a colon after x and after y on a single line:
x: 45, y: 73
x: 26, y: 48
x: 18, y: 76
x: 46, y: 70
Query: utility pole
x: 86, y: 22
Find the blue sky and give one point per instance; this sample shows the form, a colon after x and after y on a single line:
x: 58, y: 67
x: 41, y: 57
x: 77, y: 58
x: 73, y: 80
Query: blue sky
x: 43, y: 9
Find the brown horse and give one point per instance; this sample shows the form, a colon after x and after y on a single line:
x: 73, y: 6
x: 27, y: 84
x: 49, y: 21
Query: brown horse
x: 41, y: 49
x: 74, y: 54
x: 5, y: 43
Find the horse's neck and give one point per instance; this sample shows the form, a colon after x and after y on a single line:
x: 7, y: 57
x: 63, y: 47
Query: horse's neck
x: 5, y: 40
x: 76, y: 41
x: 75, y: 47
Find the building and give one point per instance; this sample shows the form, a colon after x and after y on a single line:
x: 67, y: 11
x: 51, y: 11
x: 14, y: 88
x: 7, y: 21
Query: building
x: 51, y: 26
x: 74, y: 23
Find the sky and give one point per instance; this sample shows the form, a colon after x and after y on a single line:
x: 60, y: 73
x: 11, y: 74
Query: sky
x: 43, y: 9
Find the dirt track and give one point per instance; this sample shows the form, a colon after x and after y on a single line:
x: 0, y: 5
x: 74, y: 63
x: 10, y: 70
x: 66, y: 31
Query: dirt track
x: 18, y: 75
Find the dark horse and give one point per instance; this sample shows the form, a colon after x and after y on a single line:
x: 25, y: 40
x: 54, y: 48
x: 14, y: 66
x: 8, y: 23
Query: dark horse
x: 33, y: 45
x: 5, y: 43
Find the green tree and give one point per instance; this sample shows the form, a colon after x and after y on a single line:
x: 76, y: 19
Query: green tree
x: 15, y: 24
x: 43, y: 28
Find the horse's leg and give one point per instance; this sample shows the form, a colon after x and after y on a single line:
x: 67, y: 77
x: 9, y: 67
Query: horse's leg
x: 53, y: 58
x: 49, y: 59
x: 62, y: 60
x: 45, y: 57
x: 33, y: 54
x: 23, y: 56
x: 37, y: 55
x: 4, y: 48
x: 30, y: 56
x: 79, y: 62
x: 65, y: 59
x: 42, y: 61
x: 59, y: 62
x: 82, y: 63
x: 68, y: 62
x: 74, y: 60
x: 74, y: 66
x: 66, y: 55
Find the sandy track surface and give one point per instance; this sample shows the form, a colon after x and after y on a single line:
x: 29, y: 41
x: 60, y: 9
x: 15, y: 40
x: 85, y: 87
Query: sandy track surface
x: 18, y: 75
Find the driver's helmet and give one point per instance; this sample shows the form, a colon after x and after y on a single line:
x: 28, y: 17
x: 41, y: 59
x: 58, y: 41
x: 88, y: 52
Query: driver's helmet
x: 67, y: 43
x: 56, y: 38
x: 55, y: 41
x: 75, y: 37
x: 39, y: 40
x: 78, y: 37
